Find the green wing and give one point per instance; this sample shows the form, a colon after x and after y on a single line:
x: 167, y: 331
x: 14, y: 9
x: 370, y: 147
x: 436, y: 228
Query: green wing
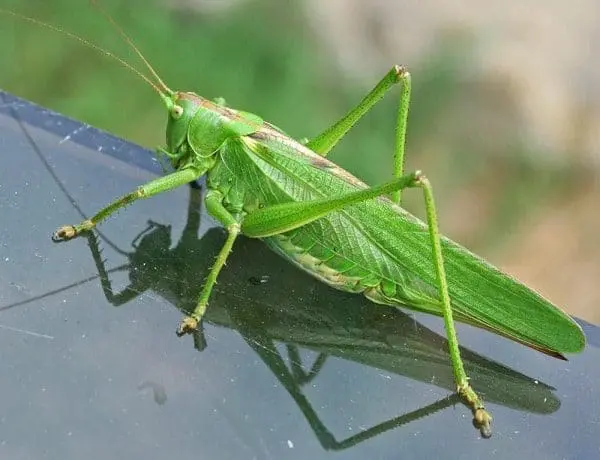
x: 484, y: 296
x: 481, y: 294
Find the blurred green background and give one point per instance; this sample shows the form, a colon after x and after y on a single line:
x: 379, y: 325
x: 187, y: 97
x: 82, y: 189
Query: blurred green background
x: 496, y: 194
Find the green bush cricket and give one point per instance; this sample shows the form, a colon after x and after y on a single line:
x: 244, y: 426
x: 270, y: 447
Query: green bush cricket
x: 263, y: 184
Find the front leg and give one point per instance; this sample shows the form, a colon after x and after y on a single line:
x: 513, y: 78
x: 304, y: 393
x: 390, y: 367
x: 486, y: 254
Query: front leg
x: 214, y: 206
x: 162, y: 184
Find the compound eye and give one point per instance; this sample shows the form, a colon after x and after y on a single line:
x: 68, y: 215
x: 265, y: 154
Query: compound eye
x: 176, y: 111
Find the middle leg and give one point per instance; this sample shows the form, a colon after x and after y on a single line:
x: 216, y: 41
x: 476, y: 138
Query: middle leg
x: 214, y: 205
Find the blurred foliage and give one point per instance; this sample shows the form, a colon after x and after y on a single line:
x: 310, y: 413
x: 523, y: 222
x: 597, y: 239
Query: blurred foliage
x: 261, y: 57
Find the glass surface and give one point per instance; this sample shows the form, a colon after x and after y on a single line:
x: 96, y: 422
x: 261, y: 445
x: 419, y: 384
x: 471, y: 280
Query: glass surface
x: 288, y: 367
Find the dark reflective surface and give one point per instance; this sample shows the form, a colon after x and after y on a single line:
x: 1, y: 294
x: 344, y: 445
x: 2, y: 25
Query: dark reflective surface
x: 289, y: 368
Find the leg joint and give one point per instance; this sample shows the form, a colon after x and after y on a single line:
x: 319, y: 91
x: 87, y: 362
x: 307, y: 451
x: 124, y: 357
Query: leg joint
x: 401, y: 72
x: 421, y: 180
x: 234, y: 228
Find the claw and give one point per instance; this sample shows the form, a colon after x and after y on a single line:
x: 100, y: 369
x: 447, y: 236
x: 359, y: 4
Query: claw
x: 187, y: 326
x: 64, y: 233
x: 482, y: 421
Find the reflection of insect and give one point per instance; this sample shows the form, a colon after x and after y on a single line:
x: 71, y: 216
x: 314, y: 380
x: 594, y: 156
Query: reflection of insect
x: 264, y: 184
x: 296, y: 336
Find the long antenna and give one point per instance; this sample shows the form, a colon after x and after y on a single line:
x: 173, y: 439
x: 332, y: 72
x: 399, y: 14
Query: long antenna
x: 129, y: 41
x: 89, y: 44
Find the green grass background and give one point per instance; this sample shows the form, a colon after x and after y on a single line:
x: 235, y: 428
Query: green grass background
x: 263, y: 57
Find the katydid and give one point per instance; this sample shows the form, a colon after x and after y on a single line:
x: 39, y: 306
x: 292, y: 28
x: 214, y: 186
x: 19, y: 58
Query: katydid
x: 264, y: 184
